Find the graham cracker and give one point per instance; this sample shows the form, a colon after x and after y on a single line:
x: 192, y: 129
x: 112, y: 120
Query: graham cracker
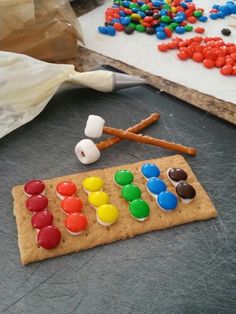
x: 201, y: 208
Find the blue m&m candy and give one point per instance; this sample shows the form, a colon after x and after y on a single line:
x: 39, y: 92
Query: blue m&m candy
x: 111, y: 31
x: 150, y: 170
x: 161, y: 35
x: 102, y: 29
x: 167, y: 201
x: 155, y: 186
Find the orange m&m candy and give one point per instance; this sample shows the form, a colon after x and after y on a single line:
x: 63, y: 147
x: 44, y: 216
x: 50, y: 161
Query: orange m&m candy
x: 65, y: 188
x: 76, y: 223
x: 71, y: 204
x: 226, y: 70
x: 208, y: 63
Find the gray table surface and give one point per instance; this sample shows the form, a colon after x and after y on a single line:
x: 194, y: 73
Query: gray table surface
x: 186, y: 269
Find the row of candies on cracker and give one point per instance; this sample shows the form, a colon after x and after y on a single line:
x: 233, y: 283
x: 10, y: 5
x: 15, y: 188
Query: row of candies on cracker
x: 49, y: 236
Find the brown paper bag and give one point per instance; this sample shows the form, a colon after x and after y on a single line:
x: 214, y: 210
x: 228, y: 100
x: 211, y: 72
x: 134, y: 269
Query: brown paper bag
x: 44, y: 29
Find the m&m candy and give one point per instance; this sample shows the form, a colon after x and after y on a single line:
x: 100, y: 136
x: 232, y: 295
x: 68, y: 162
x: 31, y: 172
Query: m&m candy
x: 71, y: 204
x: 65, y: 188
x: 139, y: 209
x: 226, y: 31
x: 186, y: 192
x: 212, y: 52
x: 49, y: 237
x: 167, y: 201
x: 107, y: 214
x: 37, y: 203
x: 76, y: 223
x: 42, y: 219
x: 176, y: 175
x: 160, y: 17
x: 130, y: 192
x: 92, y: 184
x: 97, y: 199
x: 150, y: 170
x: 155, y: 186
x: 34, y: 187
x: 123, y: 177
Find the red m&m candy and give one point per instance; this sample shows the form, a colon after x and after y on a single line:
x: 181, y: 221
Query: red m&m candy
x: 34, y: 187
x: 42, y: 219
x: 65, y: 188
x: 71, y: 204
x: 37, y: 203
x: 49, y: 237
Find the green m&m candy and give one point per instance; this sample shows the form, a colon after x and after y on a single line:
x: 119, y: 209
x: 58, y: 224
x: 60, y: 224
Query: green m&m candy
x: 145, y: 7
x: 123, y: 177
x: 197, y: 13
x: 130, y: 192
x: 173, y: 25
x: 188, y: 28
x: 140, y: 28
x: 132, y: 25
x: 165, y: 19
x: 139, y: 209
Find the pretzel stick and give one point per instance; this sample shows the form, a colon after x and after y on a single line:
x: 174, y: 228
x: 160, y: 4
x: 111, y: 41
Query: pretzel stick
x: 133, y: 129
x: 149, y: 140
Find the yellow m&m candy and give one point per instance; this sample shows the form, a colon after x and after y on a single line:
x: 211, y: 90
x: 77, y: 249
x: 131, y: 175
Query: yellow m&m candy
x: 107, y: 215
x: 92, y: 184
x: 99, y: 198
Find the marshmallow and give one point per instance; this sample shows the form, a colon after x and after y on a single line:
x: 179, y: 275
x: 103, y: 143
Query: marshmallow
x: 87, y: 152
x: 94, y: 126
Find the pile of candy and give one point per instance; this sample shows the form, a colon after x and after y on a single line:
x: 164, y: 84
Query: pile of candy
x: 213, y: 52
x: 160, y: 17
x: 221, y: 11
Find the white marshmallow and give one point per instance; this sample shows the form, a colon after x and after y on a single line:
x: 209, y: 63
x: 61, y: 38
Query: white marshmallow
x: 87, y: 152
x: 94, y: 126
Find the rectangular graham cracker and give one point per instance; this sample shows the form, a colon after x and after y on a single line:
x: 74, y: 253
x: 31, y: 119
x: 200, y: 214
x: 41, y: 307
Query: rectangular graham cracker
x: 126, y: 227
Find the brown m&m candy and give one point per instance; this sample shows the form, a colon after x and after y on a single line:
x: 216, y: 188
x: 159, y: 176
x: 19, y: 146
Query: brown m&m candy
x: 176, y: 175
x: 186, y: 192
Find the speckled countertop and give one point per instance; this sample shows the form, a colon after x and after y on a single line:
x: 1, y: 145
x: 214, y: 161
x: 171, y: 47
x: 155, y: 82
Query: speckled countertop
x: 88, y: 60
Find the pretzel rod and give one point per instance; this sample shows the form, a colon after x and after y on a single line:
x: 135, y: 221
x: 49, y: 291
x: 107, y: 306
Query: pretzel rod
x: 133, y: 129
x: 149, y: 140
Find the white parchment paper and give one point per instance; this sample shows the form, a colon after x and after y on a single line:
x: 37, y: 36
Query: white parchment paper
x: 140, y: 50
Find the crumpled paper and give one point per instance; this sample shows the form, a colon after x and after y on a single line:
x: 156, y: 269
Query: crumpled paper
x: 27, y: 85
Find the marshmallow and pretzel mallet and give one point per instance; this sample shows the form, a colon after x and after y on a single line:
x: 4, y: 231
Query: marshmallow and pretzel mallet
x: 88, y: 152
